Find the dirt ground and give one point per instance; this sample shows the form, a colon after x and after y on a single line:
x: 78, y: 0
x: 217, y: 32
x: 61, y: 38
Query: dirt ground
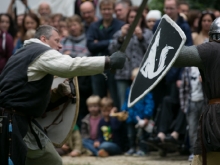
x: 152, y: 159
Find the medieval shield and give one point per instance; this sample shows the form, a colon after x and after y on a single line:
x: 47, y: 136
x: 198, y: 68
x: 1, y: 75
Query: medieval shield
x: 59, y: 123
x: 158, y: 59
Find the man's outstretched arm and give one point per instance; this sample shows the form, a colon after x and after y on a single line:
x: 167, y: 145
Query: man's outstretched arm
x: 54, y: 63
x: 189, y: 56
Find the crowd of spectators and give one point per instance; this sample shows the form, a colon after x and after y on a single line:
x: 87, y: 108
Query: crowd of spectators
x: 176, y: 102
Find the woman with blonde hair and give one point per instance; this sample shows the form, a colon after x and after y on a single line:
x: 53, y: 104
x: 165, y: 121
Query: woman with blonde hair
x: 75, y: 44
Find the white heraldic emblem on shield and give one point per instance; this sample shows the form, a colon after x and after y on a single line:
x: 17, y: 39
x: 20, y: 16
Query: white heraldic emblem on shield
x: 158, y: 59
x: 147, y: 69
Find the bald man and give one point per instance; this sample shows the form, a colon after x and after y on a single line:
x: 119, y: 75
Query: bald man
x: 44, y: 9
x: 87, y: 11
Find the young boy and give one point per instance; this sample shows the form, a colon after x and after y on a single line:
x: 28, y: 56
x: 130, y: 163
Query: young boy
x: 138, y: 118
x: 73, y: 146
x: 192, y: 102
x: 109, y: 131
x: 89, y: 126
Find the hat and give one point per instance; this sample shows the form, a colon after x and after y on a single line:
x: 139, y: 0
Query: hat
x: 156, y: 14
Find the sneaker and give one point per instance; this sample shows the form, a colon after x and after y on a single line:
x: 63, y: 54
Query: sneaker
x: 130, y: 152
x: 139, y: 153
x: 190, y: 158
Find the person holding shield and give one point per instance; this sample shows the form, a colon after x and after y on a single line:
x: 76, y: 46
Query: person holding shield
x: 25, y: 85
x: 206, y: 57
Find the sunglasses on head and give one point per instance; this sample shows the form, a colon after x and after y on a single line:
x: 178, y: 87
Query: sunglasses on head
x: 207, y: 12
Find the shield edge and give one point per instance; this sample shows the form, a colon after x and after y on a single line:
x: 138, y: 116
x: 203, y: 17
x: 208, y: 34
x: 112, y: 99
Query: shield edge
x: 183, y: 36
x: 76, y: 116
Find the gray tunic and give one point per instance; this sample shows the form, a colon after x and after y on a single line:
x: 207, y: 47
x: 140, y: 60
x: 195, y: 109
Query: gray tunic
x: 207, y: 57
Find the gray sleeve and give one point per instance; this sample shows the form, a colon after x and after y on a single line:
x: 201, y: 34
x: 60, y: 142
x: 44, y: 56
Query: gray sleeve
x: 189, y: 56
x: 115, y: 45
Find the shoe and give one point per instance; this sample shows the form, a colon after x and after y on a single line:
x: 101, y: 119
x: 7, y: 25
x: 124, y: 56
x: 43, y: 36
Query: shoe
x: 61, y: 152
x: 190, y: 158
x: 170, y: 139
x: 139, y: 153
x: 131, y: 151
x: 155, y: 140
x: 103, y: 153
x: 74, y: 153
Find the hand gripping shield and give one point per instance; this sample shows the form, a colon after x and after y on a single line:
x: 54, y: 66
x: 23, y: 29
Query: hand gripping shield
x: 59, y: 122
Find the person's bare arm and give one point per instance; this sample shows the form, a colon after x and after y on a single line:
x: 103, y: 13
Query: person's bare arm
x: 10, y: 9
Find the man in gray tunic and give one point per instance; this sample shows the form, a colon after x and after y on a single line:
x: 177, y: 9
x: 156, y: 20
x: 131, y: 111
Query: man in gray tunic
x: 207, y: 58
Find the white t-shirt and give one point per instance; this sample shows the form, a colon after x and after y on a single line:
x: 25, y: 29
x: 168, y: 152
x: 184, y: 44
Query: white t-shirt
x: 196, y: 85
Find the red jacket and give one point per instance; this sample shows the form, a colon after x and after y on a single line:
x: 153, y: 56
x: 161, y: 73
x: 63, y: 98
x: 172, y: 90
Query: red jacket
x: 6, y: 48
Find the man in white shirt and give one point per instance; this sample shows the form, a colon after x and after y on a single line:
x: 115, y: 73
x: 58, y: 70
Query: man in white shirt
x: 25, y: 93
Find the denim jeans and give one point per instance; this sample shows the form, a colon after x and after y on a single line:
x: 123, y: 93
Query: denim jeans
x: 100, y: 86
x: 122, y: 86
x: 89, y: 144
x: 137, y: 135
x: 193, y: 114
x: 111, y: 148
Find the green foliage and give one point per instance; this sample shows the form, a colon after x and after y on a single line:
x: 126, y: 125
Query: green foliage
x: 156, y: 5
x: 194, y: 4
x: 204, y: 4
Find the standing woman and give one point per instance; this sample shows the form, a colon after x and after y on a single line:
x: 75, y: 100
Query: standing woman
x: 152, y: 17
x: 6, y: 48
x: 6, y: 41
x: 74, y: 45
x: 30, y: 22
x: 135, y: 50
x: 204, y: 25
x: 7, y: 24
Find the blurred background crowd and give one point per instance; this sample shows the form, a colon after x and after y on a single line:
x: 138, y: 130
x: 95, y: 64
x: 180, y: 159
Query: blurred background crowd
x: 106, y: 126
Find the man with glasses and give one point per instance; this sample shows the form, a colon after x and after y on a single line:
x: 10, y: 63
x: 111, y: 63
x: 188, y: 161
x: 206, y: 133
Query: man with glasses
x: 87, y: 11
x: 172, y: 10
x: 99, y: 36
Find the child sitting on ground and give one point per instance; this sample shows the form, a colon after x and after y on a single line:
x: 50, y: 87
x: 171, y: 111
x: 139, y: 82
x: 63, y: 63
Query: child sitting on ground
x: 73, y: 146
x: 110, y: 131
x: 89, y: 124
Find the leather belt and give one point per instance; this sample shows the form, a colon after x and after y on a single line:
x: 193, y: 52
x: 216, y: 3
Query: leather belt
x: 12, y: 111
x: 214, y: 101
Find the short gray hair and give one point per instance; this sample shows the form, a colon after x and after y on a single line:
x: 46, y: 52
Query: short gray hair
x: 124, y: 4
x: 45, y: 30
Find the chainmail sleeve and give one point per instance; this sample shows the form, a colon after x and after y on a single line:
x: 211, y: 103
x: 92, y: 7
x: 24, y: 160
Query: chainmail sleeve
x: 189, y: 56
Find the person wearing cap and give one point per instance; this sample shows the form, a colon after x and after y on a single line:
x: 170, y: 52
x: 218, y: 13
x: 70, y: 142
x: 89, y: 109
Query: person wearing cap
x: 207, y: 58
x: 152, y: 17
